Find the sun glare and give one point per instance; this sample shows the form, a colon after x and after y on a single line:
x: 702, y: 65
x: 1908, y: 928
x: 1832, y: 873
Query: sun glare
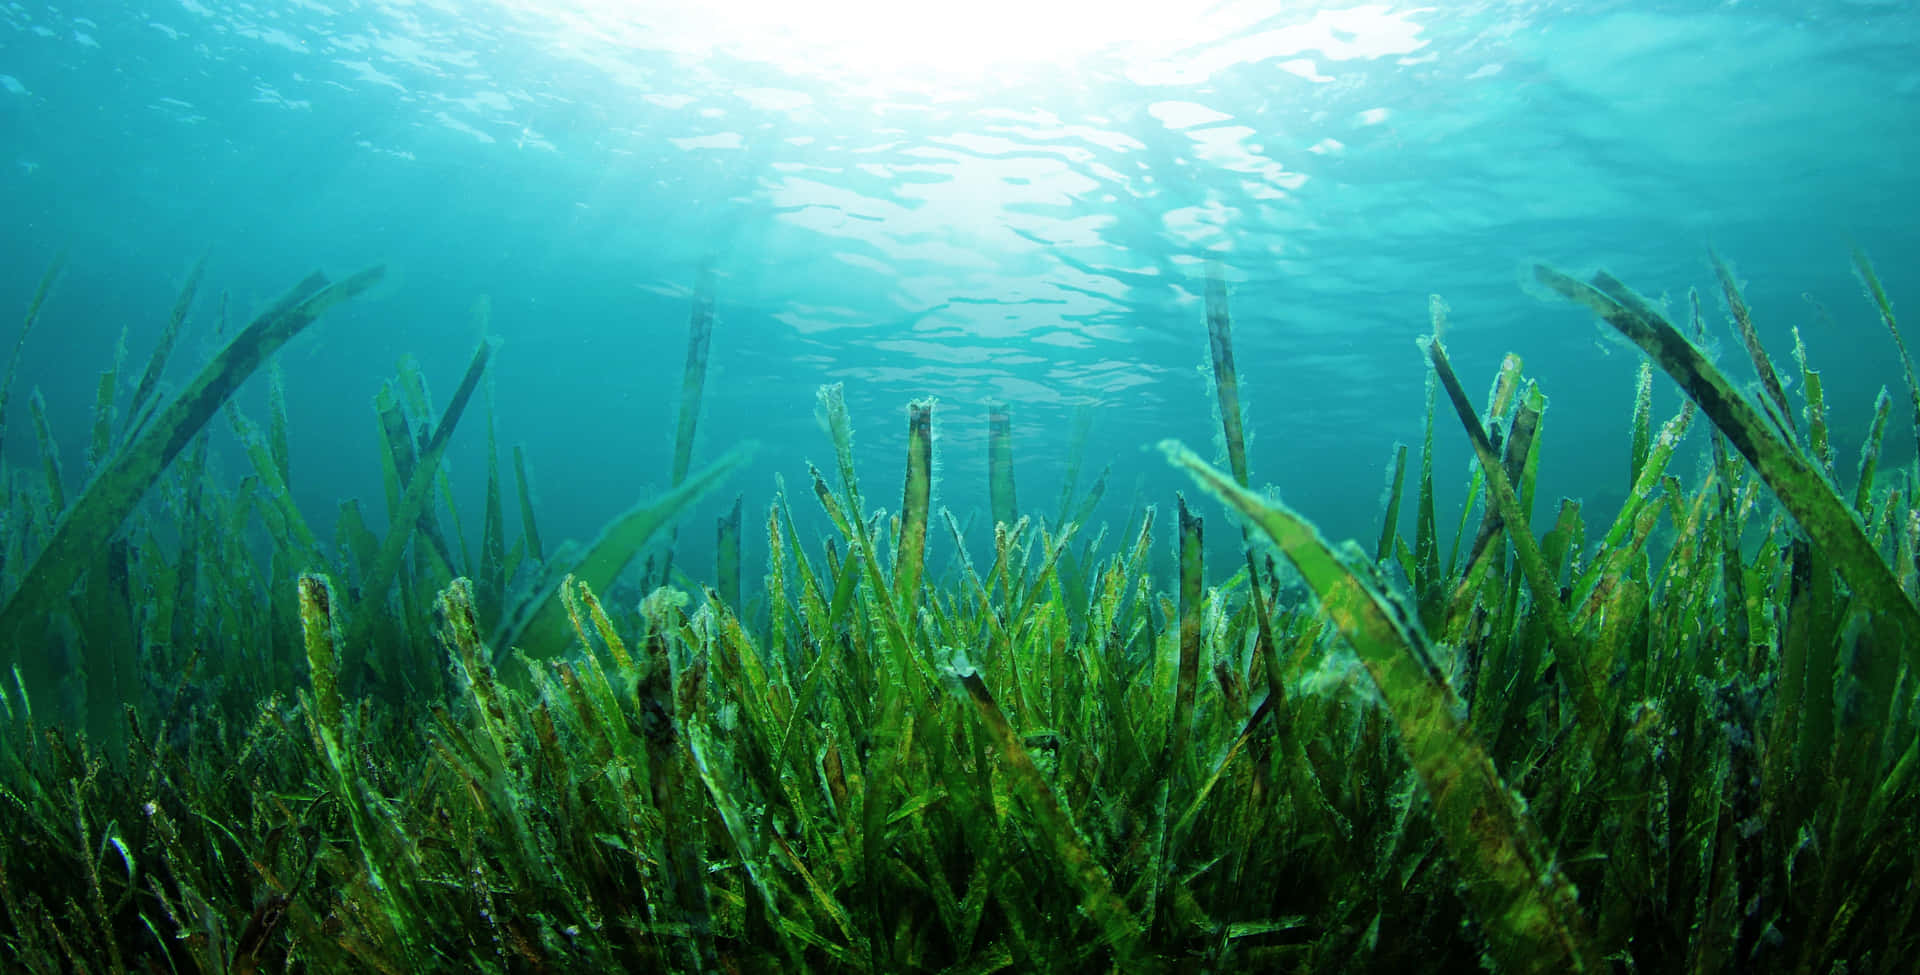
x: 891, y: 43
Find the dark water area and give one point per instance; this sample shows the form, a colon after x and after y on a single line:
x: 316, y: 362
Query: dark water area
x: 880, y: 211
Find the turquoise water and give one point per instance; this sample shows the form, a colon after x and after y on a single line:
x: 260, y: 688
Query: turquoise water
x: 998, y: 201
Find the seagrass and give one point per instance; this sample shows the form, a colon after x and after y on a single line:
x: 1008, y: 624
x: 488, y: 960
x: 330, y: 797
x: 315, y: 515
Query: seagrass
x: 1677, y: 735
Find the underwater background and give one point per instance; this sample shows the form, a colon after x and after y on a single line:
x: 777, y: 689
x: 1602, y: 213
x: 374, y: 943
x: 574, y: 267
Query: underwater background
x: 988, y: 201
x: 297, y: 674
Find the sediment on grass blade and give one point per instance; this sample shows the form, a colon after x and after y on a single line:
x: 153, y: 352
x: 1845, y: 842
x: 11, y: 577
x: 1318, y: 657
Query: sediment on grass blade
x: 831, y: 403
x: 385, y: 874
x: 1750, y: 340
x: 1642, y: 423
x: 1187, y: 677
x: 1813, y: 390
x: 1870, y: 457
x: 910, y: 561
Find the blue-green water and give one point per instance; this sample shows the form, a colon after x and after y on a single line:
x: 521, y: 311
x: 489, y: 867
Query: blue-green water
x: 1011, y: 201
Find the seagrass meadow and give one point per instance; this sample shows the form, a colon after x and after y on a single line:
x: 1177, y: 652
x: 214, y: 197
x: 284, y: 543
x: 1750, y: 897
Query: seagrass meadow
x: 1677, y: 737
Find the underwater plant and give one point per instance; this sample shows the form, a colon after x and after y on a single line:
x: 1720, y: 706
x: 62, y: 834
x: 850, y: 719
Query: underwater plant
x: 1683, y: 741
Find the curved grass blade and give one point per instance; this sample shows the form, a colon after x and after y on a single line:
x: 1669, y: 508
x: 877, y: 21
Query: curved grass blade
x: 1092, y: 498
x: 694, y: 380
x: 26, y: 328
x: 1732, y: 573
x: 1812, y: 390
x: 1390, y: 522
x: 1642, y: 423
x: 1499, y: 402
x: 1804, y: 493
x: 49, y: 455
x: 1485, y: 553
x: 1097, y: 896
x: 492, y: 571
x: 274, y: 485
x: 1226, y: 380
x: 529, y: 528
x: 1880, y: 301
x: 1428, y: 586
x: 157, y: 362
x: 1627, y: 537
x: 541, y: 628
x: 693, y: 383
x: 1743, y: 323
x: 413, y: 501
x: 99, y: 511
x: 1226, y: 383
x: 1076, y: 459
x: 105, y: 391
x: 1870, y: 457
x: 1000, y: 464
x: 1527, y: 907
x: 1582, y: 684
x: 727, y: 557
